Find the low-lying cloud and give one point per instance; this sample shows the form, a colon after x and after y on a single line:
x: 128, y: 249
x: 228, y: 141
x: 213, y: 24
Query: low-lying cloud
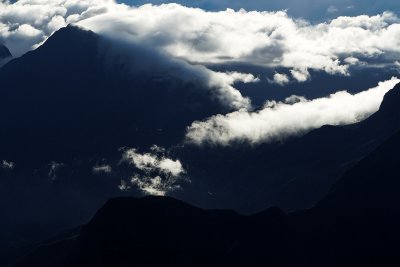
x: 295, y: 116
x: 155, y: 174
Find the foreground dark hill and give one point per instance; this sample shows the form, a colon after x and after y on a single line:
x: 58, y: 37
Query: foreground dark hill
x: 356, y: 225
x: 156, y: 231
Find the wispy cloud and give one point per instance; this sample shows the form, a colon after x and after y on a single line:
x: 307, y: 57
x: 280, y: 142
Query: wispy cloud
x: 297, y: 115
x: 6, y: 164
x: 155, y: 174
x: 102, y: 169
x: 54, y: 167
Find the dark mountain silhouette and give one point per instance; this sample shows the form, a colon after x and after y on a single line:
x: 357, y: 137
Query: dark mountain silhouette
x: 5, y: 54
x: 356, y: 225
x: 156, y: 231
x: 70, y: 103
x: 79, y: 97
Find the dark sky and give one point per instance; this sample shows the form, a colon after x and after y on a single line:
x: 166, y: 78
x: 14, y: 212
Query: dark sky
x: 309, y: 9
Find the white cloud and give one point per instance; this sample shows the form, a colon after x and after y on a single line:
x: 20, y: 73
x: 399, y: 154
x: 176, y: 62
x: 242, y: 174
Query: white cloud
x: 224, y: 90
x: 351, y: 60
x: 332, y: 9
x: 155, y: 186
x: 100, y: 169
x: 300, y: 75
x: 149, y: 162
x: 124, y: 186
x: 56, y: 23
x: 396, y: 65
x: 172, y: 167
x: 280, y: 78
x: 297, y: 115
x: 270, y: 39
x: 158, y: 174
x: 54, y: 167
x: 5, y: 164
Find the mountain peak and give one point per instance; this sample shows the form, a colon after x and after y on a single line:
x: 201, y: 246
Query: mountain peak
x: 70, y: 35
x: 4, y: 52
x: 387, y: 119
x: 391, y: 100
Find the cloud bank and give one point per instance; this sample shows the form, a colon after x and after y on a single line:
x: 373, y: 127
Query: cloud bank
x: 155, y: 174
x: 270, y: 39
x: 295, y: 116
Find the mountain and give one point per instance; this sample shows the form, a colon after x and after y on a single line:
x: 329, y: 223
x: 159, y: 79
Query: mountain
x: 83, y: 95
x: 68, y: 105
x: 75, y: 101
x: 355, y: 225
x: 5, y: 54
x: 157, y: 231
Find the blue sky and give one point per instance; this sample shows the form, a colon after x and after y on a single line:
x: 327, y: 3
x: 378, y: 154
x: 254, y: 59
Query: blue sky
x: 309, y: 9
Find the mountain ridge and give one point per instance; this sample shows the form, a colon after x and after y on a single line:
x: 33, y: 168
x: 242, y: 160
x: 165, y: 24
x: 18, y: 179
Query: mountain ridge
x: 356, y: 225
x: 80, y: 102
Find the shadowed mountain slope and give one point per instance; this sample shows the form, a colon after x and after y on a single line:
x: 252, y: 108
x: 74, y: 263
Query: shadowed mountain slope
x: 69, y: 104
x: 356, y: 225
x: 4, y: 52
x: 82, y: 95
x: 5, y: 55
